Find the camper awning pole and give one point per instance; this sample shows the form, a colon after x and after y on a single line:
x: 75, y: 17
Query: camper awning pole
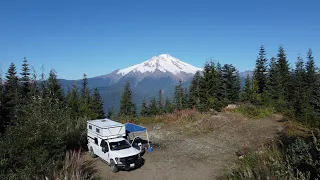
x: 148, y: 138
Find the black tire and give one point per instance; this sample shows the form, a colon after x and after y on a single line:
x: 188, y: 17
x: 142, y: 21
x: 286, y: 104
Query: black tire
x: 113, y: 167
x: 92, y: 153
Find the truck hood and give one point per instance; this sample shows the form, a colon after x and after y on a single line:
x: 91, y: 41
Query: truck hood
x: 125, y: 152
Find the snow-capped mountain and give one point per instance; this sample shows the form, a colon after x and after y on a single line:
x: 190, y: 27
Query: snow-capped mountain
x: 164, y: 63
x: 159, y: 72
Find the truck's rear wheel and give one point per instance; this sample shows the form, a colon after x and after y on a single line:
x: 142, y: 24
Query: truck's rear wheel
x: 92, y: 153
x: 113, y: 167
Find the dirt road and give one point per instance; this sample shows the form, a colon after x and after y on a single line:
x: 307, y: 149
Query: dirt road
x: 179, y: 155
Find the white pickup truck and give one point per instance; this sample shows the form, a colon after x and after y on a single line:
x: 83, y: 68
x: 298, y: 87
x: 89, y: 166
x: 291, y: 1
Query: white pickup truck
x: 107, y: 139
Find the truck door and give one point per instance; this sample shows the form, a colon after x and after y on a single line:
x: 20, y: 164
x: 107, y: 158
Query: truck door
x: 104, y: 151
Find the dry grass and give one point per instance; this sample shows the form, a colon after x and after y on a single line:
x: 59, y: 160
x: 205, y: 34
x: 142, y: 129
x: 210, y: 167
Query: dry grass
x: 169, y: 118
x: 76, y: 168
x: 295, y: 129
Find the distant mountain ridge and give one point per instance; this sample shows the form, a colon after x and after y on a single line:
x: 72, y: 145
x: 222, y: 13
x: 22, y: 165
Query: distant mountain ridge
x: 159, y: 72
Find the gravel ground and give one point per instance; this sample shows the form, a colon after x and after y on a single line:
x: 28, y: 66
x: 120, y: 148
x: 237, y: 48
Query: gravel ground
x: 177, y: 156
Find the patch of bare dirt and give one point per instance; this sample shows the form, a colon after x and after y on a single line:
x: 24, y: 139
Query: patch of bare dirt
x: 199, y: 149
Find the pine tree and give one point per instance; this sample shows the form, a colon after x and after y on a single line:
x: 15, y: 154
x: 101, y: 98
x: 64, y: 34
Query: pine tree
x: 55, y: 90
x: 85, y: 98
x: 34, y: 86
x: 231, y: 83
x: 300, y: 97
x: 160, y: 102
x: 195, y: 90
x: 315, y: 102
x: 284, y: 73
x: 219, y: 88
x: 178, y: 96
x: 310, y: 82
x: 206, y: 86
x: 73, y: 101
x: 274, y: 87
x: 144, y: 108
x: 260, y: 72
x: 153, y: 110
x: 111, y: 113
x: 247, y: 92
x: 97, y: 105
x: 10, y: 96
x: 127, y: 108
x: 168, y: 106
x: 186, y: 103
x: 2, y: 120
x: 25, y: 80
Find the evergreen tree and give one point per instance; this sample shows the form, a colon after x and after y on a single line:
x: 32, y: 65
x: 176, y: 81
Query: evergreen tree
x: 111, y: 113
x: 310, y: 80
x: 231, y: 83
x: 178, y: 96
x: 219, y: 88
x: 206, y: 86
x: 85, y: 98
x: 284, y: 73
x: 2, y: 121
x: 247, y: 92
x: 260, y: 72
x: 168, y: 106
x: 195, y: 90
x: 34, y: 86
x: 274, y: 87
x: 55, y: 90
x: 73, y: 101
x: 97, y: 105
x: 43, y: 87
x: 10, y: 96
x: 25, y: 80
x: 300, y: 98
x: 315, y: 102
x: 144, y: 108
x: 153, y: 110
x: 127, y: 108
x: 186, y: 99
x: 160, y: 102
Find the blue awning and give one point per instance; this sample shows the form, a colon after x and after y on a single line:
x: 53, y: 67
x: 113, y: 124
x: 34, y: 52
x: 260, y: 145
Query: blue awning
x: 134, y: 128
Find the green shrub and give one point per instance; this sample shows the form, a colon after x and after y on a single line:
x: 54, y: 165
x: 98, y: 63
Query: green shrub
x: 37, y: 142
x: 255, y: 112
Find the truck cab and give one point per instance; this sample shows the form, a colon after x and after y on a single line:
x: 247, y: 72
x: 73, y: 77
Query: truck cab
x: 106, y: 140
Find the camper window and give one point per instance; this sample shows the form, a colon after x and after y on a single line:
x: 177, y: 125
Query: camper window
x: 96, y: 141
x: 97, y: 130
x: 90, y: 127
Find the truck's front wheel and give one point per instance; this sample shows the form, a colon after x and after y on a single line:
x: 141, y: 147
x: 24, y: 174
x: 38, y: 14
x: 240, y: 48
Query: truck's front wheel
x: 113, y: 167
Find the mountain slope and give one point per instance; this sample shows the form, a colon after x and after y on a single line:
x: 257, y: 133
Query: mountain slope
x: 159, y: 72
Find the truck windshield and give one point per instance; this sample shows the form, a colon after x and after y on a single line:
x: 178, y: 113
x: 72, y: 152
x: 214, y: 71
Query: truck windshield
x: 114, y: 146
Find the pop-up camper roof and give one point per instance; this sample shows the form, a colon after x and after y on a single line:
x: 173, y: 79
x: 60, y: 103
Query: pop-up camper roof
x: 106, y: 128
x: 104, y: 123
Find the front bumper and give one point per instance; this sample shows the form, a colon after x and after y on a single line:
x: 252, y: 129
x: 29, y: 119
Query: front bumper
x: 130, y: 165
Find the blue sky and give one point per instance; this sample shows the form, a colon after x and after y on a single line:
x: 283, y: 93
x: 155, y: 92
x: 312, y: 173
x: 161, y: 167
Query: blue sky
x: 97, y: 37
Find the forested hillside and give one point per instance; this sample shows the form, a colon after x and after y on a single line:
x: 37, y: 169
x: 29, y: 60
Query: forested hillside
x: 40, y: 123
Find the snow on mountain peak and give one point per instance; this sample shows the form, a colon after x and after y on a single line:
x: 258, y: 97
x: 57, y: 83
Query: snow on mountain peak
x: 163, y: 63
